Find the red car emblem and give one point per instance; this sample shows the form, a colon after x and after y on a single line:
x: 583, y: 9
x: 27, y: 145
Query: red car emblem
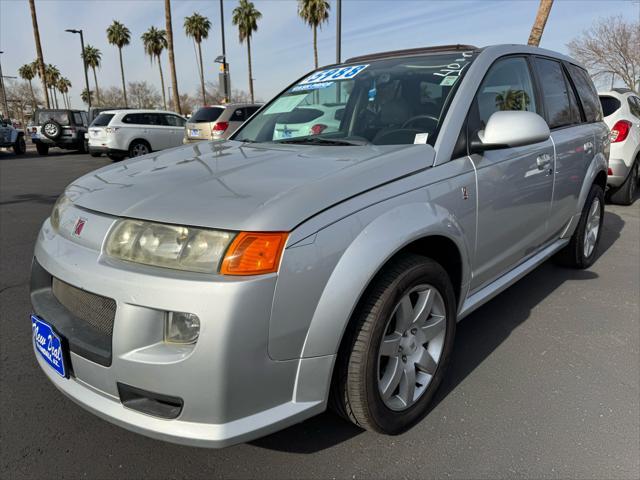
x: 77, y: 230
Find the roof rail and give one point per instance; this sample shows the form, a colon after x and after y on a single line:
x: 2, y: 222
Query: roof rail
x: 411, y: 51
x: 622, y: 90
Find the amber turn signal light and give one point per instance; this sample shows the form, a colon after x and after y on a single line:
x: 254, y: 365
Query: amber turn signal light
x: 254, y: 253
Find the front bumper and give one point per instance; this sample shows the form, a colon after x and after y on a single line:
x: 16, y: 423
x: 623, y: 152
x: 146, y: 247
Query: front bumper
x: 231, y: 390
x: 618, y: 172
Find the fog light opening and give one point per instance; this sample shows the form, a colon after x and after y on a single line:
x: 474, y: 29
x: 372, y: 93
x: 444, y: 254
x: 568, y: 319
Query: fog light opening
x: 182, y: 328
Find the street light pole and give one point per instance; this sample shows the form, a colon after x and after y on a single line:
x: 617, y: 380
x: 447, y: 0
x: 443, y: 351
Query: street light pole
x: 4, y: 92
x: 339, y: 31
x: 225, y: 65
x: 84, y: 64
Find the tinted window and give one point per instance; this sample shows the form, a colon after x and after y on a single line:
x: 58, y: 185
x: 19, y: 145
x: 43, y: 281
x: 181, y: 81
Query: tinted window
x: 133, y: 118
x: 634, y: 106
x: 237, y: 115
x: 207, y: 114
x: 609, y: 105
x: 587, y: 93
x: 174, y: 121
x: 144, y: 119
x: 61, y: 117
x: 251, y: 110
x: 77, y: 119
x: 507, y: 86
x: 102, y: 120
x: 560, y: 111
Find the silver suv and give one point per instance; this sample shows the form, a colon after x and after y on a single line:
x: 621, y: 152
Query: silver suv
x: 214, y: 293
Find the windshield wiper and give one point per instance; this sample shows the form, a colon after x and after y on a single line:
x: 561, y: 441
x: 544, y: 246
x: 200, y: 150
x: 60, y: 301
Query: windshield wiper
x: 314, y: 140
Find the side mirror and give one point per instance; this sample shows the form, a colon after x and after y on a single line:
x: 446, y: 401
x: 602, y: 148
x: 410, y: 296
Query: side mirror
x: 511, y: 128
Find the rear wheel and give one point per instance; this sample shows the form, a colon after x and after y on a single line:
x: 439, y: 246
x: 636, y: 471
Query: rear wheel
x: 20, y: 147
x: 626, y: 193
x: 583, y: 247
x: 42, y: 149
x: 397, y: 346
x: 138, y: 148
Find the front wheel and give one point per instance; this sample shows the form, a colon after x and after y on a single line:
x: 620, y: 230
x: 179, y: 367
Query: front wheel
x: 582, y: 248
x: 42, y: 149
x: 20, y: 147
x: 397, y: 346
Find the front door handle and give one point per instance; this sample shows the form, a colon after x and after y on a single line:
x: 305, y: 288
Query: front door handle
x: 588, y: 146
x: 543, y: 161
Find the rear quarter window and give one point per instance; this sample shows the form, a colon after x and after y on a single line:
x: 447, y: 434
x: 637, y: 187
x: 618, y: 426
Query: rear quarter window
x: 609, y: 105
x: 587, y: 93
x: 102, y: 120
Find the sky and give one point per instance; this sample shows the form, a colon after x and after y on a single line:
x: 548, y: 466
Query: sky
x: 282, y: 47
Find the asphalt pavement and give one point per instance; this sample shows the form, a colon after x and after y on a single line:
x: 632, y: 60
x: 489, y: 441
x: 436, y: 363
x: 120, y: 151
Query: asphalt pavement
x: 544, y: 382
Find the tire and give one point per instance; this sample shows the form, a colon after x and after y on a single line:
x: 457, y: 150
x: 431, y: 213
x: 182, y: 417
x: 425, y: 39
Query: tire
x: 42, y: 149
x: 576, y: 254
x: 51, y: 129
x: 95, y: 154
x: 139, y: 148
x: 116, y: 157
x: 363, y: 371
x: 625, y: 194
x: 20, y: 147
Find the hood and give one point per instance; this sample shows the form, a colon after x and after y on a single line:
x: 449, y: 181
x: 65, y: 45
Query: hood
x: 238, y: 186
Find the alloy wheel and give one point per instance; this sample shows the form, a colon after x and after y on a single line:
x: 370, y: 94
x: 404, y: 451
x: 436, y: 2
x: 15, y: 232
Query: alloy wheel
x: 592, y: 228
x: 139, y: 149
x: 411, y: 347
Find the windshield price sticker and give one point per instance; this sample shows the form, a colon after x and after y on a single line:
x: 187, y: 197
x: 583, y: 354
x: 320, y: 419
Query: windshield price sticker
x: 455, y: 68
x: 341, y: 73
x: 311, y: 86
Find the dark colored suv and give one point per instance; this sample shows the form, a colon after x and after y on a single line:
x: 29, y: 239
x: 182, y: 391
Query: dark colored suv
x: 59, y: 128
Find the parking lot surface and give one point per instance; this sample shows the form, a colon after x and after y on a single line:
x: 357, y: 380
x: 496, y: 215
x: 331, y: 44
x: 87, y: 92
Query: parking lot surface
x: 544, y: 381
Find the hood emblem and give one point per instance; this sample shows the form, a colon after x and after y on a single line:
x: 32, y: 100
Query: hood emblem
x: 80, y: 223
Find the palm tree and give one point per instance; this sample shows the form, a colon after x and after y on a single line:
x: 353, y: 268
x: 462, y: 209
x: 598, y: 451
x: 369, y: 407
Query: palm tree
x: 315, y: 13
x: 155, y: 41
x: 63, y: 86
x: 120, y: 36
x: 52, y: 74
x: 172, y: 60
x: 197, y: 27
x: 246, y: 17
x: 84, y: 96
x: 40, y: 61
x: 93, y: 57
x: 27, y: 72
x: 541, y: 20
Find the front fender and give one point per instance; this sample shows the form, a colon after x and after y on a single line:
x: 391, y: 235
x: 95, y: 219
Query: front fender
x: 365, y: 256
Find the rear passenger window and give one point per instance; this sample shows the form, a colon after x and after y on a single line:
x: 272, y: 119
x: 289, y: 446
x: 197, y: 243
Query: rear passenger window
x: 77, y: 118
x: 559, y: 99
x: 507, y: 86
x: 237, y: 115
x: 587, y: 93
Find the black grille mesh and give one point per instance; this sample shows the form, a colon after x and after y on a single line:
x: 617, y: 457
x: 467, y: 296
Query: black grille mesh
x: 97, y: 311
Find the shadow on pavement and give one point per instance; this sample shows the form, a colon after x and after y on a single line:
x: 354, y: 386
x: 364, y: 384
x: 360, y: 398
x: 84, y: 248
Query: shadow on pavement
x: 477, y: 337
x: 31, y: 197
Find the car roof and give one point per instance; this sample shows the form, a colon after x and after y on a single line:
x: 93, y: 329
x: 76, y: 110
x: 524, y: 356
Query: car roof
x: 233, y: 105
x: 618, y: 92
x: 141, y: 110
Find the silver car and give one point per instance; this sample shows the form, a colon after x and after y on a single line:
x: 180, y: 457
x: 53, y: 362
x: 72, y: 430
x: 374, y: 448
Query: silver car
x: 219, y: 291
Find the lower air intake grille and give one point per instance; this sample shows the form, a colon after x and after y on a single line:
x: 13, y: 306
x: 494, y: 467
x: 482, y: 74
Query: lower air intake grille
x: 97, y: 311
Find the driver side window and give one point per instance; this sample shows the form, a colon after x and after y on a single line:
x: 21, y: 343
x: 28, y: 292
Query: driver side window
x: 507, y: 86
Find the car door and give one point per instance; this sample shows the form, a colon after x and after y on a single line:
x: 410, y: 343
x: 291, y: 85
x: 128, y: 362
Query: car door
x: 176, y: 125
x: 160, y: 134
x: 514, y: 185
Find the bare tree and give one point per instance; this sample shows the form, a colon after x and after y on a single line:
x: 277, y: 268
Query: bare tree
x: 143, y: 95
x: 541, y: 20
x: 611, y: 47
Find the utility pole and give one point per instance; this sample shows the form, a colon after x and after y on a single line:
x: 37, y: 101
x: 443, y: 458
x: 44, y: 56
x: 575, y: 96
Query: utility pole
x: 84, y: 64
x: 4, y: 93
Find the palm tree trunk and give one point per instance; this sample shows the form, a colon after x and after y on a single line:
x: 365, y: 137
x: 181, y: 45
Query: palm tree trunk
x: 33, y: 97
x: 541, y: 20
x: 95, y: 80
x: 250, y: 71
x: 204, y: 99
x: 36, y: 36
x: 55, y: 96
x: 315, y: 46
x: 124, y: 87
x: 172, y: 62
x: 164, y: 98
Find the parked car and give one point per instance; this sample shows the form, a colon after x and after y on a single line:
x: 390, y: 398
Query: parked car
x: 621, y: 107
x: 93, y: 113
x: 122, y: 133
x: 11, y: 137
x: 217, y: 122
x: 309, y: 120
x: 221, y: 291
x: 59, y: 128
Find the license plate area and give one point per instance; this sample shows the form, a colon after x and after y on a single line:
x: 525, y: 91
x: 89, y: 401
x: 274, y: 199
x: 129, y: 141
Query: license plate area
x: 195, y: 132
x: 51, y: 346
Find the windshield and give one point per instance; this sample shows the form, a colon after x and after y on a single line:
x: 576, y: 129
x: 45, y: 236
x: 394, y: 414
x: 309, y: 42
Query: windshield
x: 102, y: 120
x: 61, y: 117
x: 393, y: 101
x: 206, y: 114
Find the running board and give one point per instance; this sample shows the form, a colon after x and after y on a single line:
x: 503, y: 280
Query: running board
x: 487, y: 293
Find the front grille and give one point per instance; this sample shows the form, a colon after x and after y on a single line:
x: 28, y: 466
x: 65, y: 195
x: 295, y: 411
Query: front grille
x: 96, y: 310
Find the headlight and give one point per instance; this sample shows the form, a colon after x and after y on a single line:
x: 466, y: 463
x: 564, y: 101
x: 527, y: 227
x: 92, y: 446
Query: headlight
x: 58, y: 208
x: 169, y: 246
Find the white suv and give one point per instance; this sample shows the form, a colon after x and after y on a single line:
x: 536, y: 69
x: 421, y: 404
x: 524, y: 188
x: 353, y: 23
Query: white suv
x: 621, y: 108
x: 121, y: 133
